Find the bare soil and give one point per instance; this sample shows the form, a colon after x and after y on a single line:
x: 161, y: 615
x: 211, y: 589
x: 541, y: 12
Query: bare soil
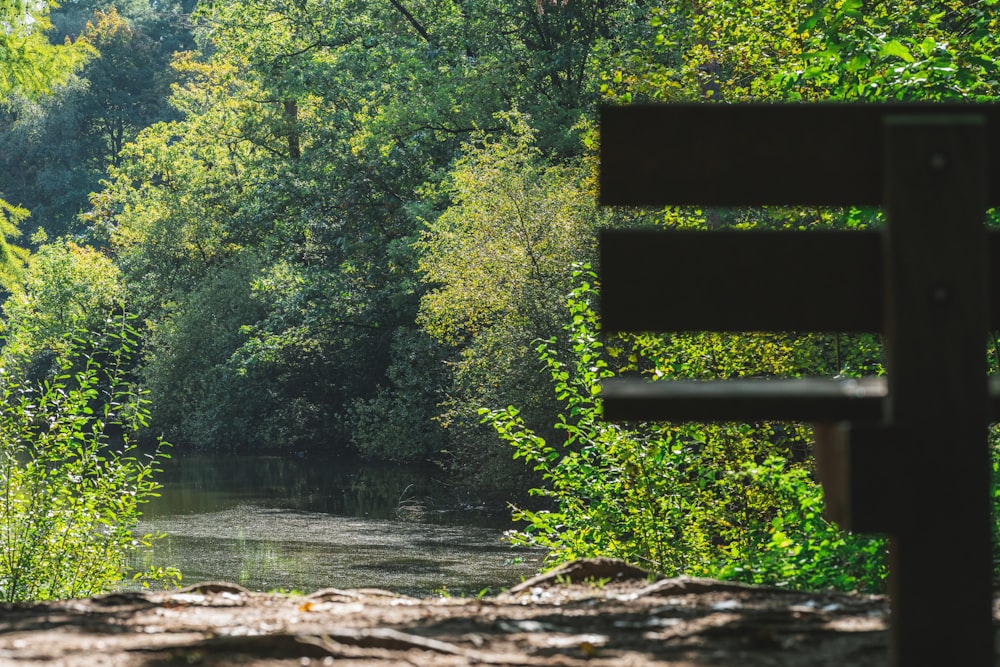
x: 593, y: 613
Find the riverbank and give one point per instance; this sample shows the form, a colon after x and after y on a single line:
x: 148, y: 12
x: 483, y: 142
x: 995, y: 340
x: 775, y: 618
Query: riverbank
x: 595, y: 613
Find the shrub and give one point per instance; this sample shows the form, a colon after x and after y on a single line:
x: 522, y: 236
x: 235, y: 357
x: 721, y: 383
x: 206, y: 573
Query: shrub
x: 72, y: 478
x: 734, y: 501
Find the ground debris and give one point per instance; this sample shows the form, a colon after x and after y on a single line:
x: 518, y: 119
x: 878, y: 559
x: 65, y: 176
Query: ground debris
x: 594, y: 613
x: 586, y: 570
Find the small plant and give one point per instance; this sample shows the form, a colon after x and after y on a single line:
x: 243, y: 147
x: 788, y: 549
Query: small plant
x: 163, y: 578
x: 597, y: 582
x: 564, y: 580
x: 409, y: 508
x: 72, y: 477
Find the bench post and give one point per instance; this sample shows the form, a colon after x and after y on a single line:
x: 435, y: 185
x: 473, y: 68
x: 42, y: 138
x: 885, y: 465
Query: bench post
x: 936, y: 308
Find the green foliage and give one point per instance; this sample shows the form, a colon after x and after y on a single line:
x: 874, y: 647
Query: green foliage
x: 29, y: 67
x: 724, y: 500
x: 12, y: 258
x: 317, y: 135
x: 494, y: 263
x: 29, y: 64
x: 65, y: 288
x: 851, y: 53
x: 354, y: 219
x: 189, y: 365
x: 733, y: 51
x: 72, y: 478
x: 801, y: 548
x: 128, y: 85
x: 736, y: 500
x: 59, y: 146
x: 495, y: 255
x: 994, y: 439
x: 397, y: 423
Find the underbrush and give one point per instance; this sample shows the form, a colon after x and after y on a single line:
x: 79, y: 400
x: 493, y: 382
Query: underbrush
x: 734, y: 501
x: 72, y: 476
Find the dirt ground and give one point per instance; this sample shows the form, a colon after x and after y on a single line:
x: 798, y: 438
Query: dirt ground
x: 591, y: 613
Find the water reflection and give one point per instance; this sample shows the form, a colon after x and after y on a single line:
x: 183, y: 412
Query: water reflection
x: 279, y: 523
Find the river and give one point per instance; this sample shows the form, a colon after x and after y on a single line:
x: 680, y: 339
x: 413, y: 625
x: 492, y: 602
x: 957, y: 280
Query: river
x: 275, y: 523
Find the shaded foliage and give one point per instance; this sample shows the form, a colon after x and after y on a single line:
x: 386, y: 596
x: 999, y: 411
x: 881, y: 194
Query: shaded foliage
x: 59, y: 146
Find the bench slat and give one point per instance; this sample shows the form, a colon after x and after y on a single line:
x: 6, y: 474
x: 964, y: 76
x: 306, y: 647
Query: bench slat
x: 732, y: 280
x: 758, y: 154
x: 741, y: 281
x: 805, y: 399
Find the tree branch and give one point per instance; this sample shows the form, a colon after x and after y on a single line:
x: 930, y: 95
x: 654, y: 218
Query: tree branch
x: 413, y: 21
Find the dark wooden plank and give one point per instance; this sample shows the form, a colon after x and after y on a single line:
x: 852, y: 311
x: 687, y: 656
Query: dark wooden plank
x: 747, y: 155
x: 855, y: 463
x: 936, y: 320
x: 993, y: 293
x: 807, y: 399
x: 741, y: 281
x: 831, y: 278
x: 672, y: 400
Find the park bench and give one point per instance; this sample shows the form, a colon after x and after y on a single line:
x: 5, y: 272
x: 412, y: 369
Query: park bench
x: 905, y: 454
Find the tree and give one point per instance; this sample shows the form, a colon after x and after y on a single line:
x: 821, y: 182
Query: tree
x: 128, y: 86
x: 170, y: 214
x: 314, y: 133
x: 29, y: 64
x: 66, y: 288
x: 198, y: 392
x: 399, y: 422
x: 168, y: 209
x: 42, y: 164
x: 496, y: 255
x: 494, y: 262
x: 59, y: 147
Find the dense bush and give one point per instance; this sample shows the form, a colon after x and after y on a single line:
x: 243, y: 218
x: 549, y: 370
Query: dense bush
x: 730, y: 500
x: 72, y: 479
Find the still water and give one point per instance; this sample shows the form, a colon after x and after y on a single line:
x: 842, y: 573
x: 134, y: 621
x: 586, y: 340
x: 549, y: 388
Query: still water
x: 292, y: 524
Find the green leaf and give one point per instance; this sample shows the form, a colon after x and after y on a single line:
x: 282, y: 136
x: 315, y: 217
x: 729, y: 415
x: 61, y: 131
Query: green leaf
x: 897, y: 49
x: 810, y: 23
x: 858, y: 63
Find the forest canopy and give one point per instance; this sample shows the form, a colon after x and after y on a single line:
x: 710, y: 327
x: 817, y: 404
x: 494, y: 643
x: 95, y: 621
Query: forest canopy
x: 366, y: 229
